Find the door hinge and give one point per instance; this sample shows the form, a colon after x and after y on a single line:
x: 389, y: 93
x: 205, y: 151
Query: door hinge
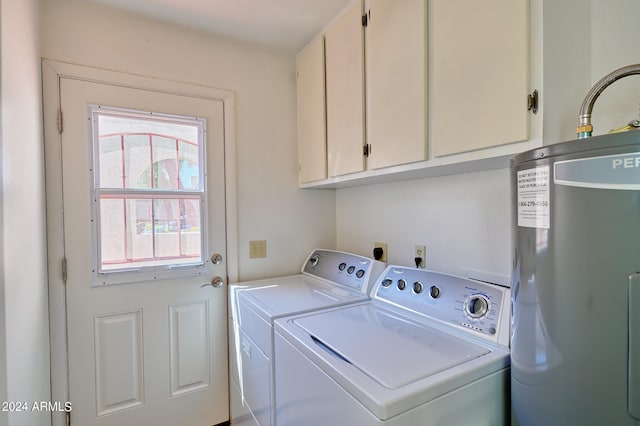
x: 60, y: 128
x: 532, y: 102
x: 366, y: 150
x: 64, y: 269
x: 366, y: 18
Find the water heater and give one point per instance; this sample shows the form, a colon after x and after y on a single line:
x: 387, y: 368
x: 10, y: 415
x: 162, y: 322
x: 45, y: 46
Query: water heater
x: 575, y: 346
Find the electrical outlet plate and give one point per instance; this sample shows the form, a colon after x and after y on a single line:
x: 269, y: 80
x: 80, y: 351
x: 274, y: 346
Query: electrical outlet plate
x: 421, y: 251
x: 383, y: 246
x: 257, y: 249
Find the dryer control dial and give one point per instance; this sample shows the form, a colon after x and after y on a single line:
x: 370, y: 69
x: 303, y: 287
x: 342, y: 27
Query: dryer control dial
x: 476, y: 306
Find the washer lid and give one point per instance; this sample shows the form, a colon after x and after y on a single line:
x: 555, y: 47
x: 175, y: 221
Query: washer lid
x: 389, y: 348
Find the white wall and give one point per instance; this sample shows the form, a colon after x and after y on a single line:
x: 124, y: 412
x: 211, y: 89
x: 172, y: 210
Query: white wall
x: 584, y: 41
x: 465, y: 220
x: 270, y: 205
x: 24, y: 339
x: 566, y: 66
x: 614, y: 39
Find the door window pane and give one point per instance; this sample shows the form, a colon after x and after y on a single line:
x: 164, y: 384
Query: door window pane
x: 149, y: 190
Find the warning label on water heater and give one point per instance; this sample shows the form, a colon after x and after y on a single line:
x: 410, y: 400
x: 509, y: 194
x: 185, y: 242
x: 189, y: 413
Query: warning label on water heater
x: 534, y: 198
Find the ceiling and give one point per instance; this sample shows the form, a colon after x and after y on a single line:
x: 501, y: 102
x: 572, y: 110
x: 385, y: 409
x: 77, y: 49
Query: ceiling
x: 285, y: 24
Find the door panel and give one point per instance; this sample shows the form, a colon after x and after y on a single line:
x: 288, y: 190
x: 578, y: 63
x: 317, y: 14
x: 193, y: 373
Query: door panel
x: 143, y: 352
x: 189, y: 347
x: 118, y: 352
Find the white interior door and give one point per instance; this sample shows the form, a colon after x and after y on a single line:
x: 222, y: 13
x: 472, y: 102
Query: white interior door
x: 144, y: 210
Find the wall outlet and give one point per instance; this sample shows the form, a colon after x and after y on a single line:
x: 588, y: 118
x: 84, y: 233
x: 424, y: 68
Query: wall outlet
x: 421, y: 252
x: 257, y: 249
x: 383, y: 246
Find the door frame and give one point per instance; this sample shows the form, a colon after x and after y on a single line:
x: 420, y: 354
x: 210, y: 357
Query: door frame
x: 52, y: 72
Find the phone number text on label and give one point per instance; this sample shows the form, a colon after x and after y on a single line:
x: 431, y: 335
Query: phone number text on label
x: 534, y: 203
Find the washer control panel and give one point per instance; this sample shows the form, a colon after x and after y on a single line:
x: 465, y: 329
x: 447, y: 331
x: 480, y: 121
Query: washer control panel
x: 346, y: 269
x: 466, y: 303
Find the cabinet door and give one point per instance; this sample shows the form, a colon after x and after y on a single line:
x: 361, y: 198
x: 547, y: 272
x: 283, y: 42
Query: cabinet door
x: 344, y: 46
x: 396, y: 82
x: 312, y: 148
x: 480, y: 57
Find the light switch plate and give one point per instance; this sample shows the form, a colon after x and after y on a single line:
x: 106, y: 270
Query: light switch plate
x: 257, y: 249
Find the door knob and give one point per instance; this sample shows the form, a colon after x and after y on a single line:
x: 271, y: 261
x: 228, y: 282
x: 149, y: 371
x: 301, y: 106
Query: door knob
x: 216, y: 282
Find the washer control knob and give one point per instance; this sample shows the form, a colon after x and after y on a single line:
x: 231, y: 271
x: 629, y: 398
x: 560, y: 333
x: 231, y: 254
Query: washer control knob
x: 402, y: 284
x: 342, y: 266
x: 434, y: 292
x: 386, y: 282
x: 314, y: 260
x: 360, y: 273
x: 417, y: 287
x: 476, y: 306
x: 350, y: 269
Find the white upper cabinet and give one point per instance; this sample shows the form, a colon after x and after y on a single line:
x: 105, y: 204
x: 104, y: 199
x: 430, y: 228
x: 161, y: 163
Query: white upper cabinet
x: 312, y: 147
x: 396, y: 82
x: 444, y: 89
x: 480, y: 74
x: 344, y: 49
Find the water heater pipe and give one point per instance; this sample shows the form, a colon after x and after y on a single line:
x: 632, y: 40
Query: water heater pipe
x: 585, y: 128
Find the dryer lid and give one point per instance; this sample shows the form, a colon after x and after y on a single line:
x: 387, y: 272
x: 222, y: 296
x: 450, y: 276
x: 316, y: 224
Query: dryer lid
x: 389, y: 348
x: 298, y: 293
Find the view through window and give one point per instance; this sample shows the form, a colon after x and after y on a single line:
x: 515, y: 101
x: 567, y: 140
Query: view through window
x: 149, y: 190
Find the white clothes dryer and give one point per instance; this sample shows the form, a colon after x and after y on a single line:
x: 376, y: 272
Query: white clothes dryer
x: 427, y: 349
x: 328, y: 278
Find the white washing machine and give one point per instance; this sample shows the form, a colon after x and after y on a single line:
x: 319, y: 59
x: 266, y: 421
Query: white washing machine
x: 427, y: 349
x: 328, y: 278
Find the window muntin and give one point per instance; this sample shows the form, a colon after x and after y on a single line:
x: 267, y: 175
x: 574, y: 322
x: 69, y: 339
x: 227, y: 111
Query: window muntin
x: 149, y: 190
